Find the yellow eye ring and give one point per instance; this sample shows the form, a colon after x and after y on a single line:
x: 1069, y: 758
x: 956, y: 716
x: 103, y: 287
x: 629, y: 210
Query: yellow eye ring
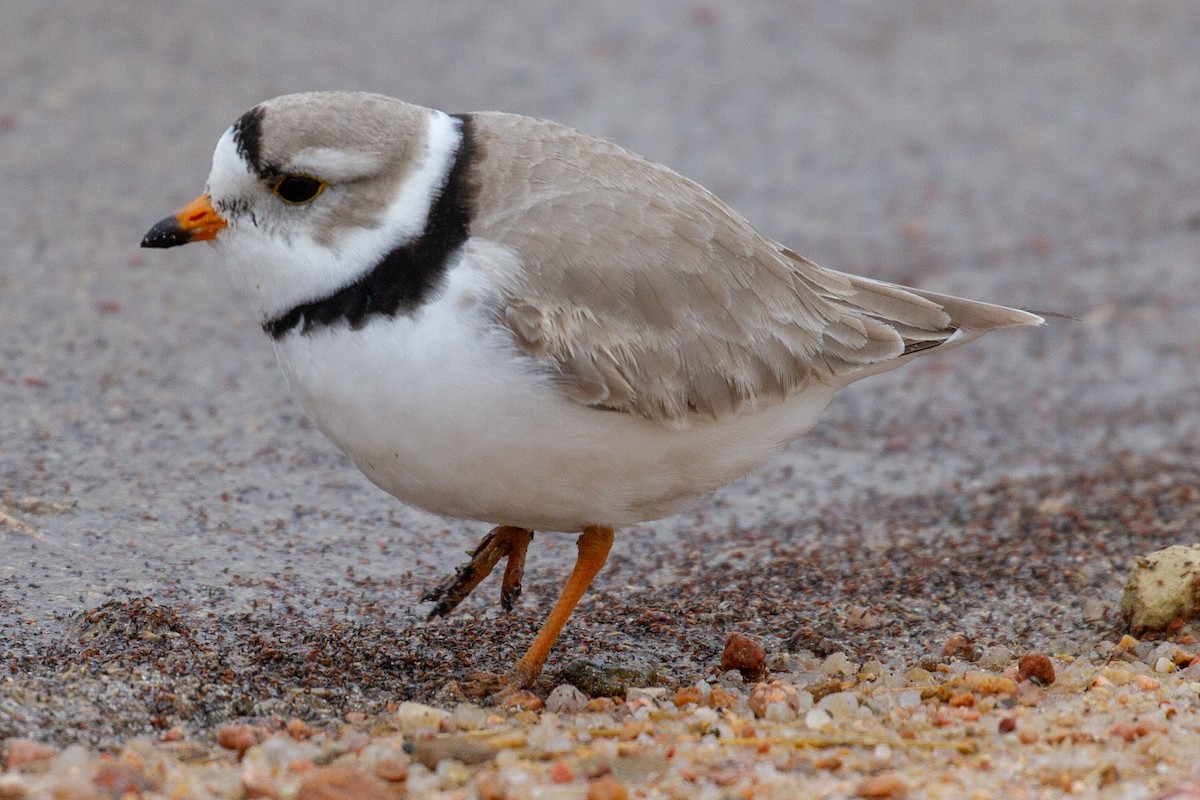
x: 298, y: 189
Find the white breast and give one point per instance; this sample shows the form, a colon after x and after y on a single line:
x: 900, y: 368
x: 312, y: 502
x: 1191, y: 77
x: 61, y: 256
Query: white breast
x: 441, y: 410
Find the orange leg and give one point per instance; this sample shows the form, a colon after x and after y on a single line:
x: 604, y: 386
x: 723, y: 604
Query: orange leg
x: 505, y: 540
x: 594, y: 545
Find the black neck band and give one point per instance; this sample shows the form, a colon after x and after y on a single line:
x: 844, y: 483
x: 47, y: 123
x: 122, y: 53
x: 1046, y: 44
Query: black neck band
x: 407, y: 275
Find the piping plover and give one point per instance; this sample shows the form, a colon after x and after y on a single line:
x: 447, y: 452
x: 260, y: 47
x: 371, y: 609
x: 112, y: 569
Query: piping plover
x: 503, y: 319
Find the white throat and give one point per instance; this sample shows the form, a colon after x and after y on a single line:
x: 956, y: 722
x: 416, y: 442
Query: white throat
x: 282, y: 267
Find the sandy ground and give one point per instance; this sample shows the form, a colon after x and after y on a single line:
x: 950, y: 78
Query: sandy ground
x: 181, y: 548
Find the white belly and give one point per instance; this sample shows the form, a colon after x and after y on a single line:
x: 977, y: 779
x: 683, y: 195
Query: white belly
x: 442, y: 411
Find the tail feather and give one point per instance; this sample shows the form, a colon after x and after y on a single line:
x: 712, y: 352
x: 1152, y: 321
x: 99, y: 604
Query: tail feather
x: 924, y: 320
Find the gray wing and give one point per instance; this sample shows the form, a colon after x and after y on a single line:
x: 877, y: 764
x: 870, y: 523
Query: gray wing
x: 647, y: 294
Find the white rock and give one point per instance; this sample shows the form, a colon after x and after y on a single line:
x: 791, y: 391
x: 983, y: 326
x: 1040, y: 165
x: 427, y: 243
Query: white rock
x: 840, y: 705
x: 566, y: 699
x: 818, y: 718
x: 469, y: 717
x: 838, y: 664
x: 779, y: 712
x: 1161, y: 587
x: 414, y: 716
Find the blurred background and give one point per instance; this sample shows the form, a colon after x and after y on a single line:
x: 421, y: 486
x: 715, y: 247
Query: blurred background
x: 1034, y: 153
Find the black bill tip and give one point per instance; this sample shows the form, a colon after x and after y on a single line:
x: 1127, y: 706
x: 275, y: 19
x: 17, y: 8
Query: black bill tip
x: 166, y: 233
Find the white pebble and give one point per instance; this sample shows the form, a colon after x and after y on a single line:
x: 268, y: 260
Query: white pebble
x: 1164, y: 664
x: 566, y: 699
x: 909, y: 699
x: 838, y: 664
x: 779, y: 712
x: 818, y: 718
x: 414, y: 716
x: 840, y: 705
x: 996, y: 657
x: 469, y: 717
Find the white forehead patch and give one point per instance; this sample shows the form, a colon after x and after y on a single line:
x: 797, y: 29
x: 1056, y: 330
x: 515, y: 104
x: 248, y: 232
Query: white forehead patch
x: 230, y: 176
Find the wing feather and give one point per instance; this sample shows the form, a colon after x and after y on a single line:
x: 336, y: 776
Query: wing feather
x: 644, y: 293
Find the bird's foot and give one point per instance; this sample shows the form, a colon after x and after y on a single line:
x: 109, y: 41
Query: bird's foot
x: 503, y: 541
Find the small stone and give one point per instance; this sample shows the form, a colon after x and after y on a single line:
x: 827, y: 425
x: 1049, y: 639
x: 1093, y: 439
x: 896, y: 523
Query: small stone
x: 723, y: 698
x: 1027, y: 735
x: 885, y: 784
x: 566, y: 699
x: 775, y: 692
x: 121, y: 777
x: 1008, y: 725
x: 411, y: 717
x: 561, y: 772
x: 838, y: 664
x: 745, y: 655
x: 595, y: 680
x: 13, y: 787
x: 1162, y: 587
x: 24, y: 752
x: 240, y: 738
x: 1164, y: 664
x: 1029, y: 693
x: 601, y: 705
x: 392, y: 770
x: 469, y: 717
x: 464, y: 748
x: 996, y: 657
x: 1146, y: 683
x: 818, y: 718
x: 689, y: 694
x: 523, y: 700
x: 342, y: 783
x: 1036, y: 667
x: 959, y: 646
x: 299, y: 730
x: 840, y: 705
x: 961, y: 700
x: 780, y: 712
x: 606, y: 787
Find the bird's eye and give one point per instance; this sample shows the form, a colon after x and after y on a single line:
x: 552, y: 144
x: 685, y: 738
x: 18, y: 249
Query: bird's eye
x: 297, y: 189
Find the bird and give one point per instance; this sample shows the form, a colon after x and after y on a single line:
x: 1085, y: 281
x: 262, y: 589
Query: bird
x: 503, y: 319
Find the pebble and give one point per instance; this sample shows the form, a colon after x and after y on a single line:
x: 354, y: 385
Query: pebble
x: 996, y: 657
x: 597, y: 681
x: 1162, y: 586
x: 885, y: 784
x: 690, y: 694
x: 240, y: 738
x: 1036, y: 667
x: 523, y: 700
x: 838, y: 664
x: 606, y: 787
x: 817, y: 719
x: 840, y: 705
x: 566, y: 699
x: 343, y: 783
x: 469, y: 717
x: 764, y: 695
x: 26, y: 752
x: 745, y: 655
x: 411, y: 717
x: 959, y: 646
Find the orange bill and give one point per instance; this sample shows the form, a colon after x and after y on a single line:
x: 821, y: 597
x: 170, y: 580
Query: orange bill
x: 198, y: 221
